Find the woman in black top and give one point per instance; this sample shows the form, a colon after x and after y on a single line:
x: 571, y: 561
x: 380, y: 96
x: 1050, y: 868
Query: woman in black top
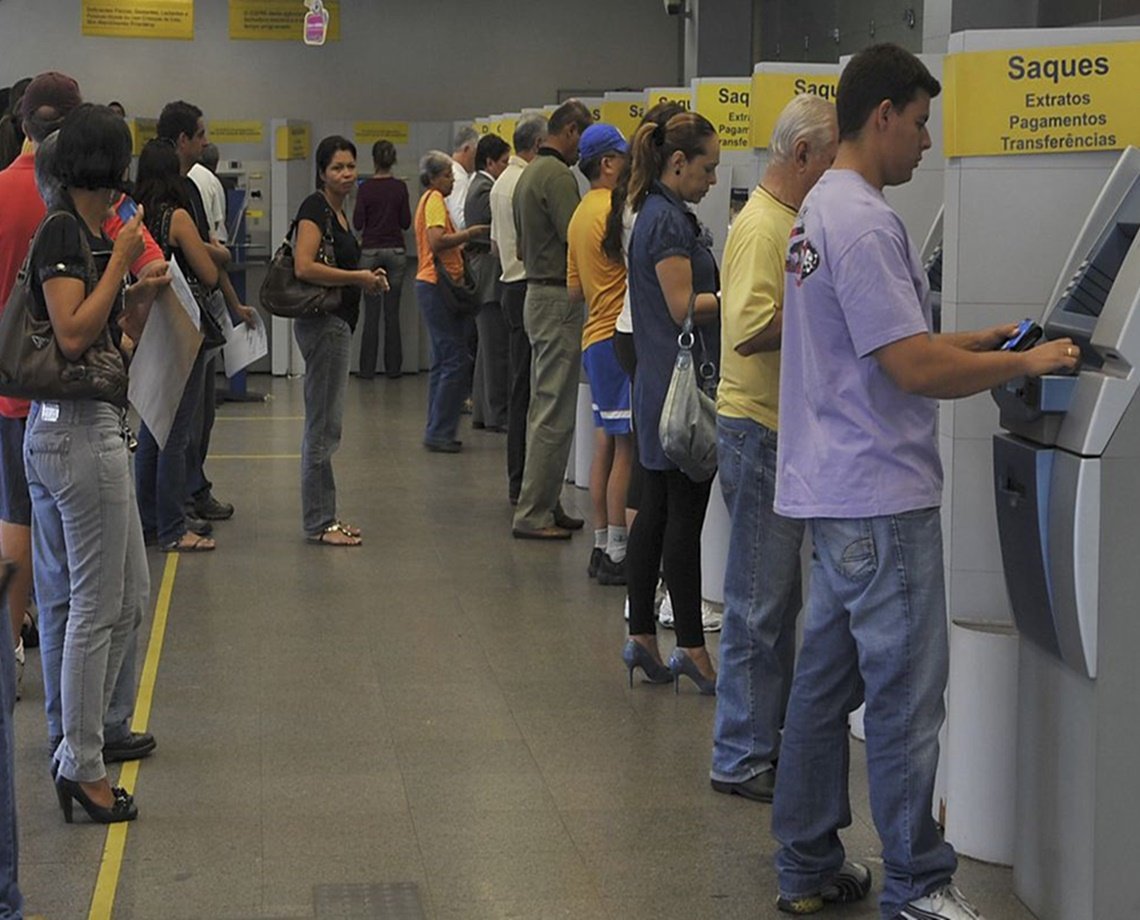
x: 160, y: 475
x: 324, y: 339
x: 88, y: 557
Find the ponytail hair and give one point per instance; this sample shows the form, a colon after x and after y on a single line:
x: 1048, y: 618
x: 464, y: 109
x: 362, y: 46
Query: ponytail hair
x: 612, y: 241
x: 654, y: 145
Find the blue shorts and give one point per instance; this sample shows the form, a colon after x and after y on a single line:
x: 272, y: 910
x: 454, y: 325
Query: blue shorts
x: 609, y: 388
x: 15, y: 501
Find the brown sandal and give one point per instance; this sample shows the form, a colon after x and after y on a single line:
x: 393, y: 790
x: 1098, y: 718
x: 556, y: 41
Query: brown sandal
x: 349, y: 529
x: 334, y: 529
x: 189, y: 543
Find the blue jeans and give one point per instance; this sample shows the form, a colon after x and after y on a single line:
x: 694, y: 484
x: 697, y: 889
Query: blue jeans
x: 90, y: 570
x: 160, y: 475
x: 875, y: 631
x: 11, y: 903
x: 324, y: 342
x: 762, y: 599
x: 450, y: 364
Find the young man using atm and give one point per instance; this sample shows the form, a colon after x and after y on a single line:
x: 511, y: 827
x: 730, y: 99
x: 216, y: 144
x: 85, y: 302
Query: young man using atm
x: 858, y: 459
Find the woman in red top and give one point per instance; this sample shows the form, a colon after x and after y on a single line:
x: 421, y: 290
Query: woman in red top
x: 382, y: 215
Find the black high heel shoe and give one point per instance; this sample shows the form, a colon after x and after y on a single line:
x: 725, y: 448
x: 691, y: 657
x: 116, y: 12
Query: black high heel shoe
x: 124, y: 808
x: 636, y: 655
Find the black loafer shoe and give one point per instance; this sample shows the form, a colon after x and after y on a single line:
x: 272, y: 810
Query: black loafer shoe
x: 135, y: 746
x: 610, y: 572
x: 596, y: 555
x: 543, y: 533
x: 758, y: 789
x: 563, y: 520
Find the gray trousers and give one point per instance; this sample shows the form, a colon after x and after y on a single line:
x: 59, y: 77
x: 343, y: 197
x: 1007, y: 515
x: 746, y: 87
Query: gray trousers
x: 92, y: 581
x: 324, y: 342
x: 554, y: 328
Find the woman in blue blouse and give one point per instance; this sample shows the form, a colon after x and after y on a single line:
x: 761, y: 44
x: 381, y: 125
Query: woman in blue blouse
x: 670, y: 263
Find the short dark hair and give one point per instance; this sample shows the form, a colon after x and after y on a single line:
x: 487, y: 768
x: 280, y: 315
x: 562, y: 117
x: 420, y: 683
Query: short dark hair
x: 159, y: 182
x: 490, y: 148
x: 383, y: 154
x: 591, y: 168
x: 571, y: 112
x: 94, y: 148
x: 883, y: 71
x: 327, y: 149
x: 178, y: 118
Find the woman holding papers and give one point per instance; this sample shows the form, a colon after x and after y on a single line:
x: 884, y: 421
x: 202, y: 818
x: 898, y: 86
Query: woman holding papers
x: 87, y: 553
x: 160, y: 473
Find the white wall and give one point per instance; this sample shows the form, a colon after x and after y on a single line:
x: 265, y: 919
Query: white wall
x: 416, y: 60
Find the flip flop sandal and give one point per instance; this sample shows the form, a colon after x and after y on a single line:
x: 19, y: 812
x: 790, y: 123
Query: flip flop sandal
x: 349, y: 529
x: 196, y: 545
x: 335, y: 527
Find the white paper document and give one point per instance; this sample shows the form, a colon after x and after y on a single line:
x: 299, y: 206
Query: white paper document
x: 244, y: 344
x: 185, y: 296
x: 162, y: 362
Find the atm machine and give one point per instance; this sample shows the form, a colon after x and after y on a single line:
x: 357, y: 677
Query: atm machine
x: 1067, y: 487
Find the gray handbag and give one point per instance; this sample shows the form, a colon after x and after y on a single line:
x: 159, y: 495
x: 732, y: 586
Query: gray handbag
x: 688, y: 416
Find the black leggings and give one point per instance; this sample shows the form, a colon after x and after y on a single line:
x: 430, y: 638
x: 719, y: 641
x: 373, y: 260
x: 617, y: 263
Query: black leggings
x: 666, y: 536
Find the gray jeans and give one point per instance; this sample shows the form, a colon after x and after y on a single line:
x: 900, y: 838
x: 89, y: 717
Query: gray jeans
x: 554, y: 327
x: 324, y: 342
x: 394, y: 262
x: 91, y: 576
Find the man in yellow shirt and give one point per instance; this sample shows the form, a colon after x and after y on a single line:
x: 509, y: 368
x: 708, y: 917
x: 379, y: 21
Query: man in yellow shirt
x: 599, y: 281
x: 762, y: 593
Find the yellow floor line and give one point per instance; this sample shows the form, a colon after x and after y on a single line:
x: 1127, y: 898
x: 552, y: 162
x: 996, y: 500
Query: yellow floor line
x: 103, y: 899
x: 253, y: 456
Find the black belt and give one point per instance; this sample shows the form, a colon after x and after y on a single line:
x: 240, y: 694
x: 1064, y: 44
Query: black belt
x: 547, y: 282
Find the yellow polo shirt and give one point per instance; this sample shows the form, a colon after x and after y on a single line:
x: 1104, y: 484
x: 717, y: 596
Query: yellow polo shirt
x: 602, y: 280
x: 752, y: 291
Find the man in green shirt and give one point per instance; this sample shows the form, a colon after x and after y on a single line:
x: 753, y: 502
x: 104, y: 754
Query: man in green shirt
x: 544, y: 201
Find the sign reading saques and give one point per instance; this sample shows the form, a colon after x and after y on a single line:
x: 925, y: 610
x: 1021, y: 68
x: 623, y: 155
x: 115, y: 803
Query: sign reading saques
x: 1064, y: 99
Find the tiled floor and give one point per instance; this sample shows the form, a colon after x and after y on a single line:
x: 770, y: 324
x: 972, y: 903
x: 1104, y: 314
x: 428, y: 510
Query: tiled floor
x: 444, y: 707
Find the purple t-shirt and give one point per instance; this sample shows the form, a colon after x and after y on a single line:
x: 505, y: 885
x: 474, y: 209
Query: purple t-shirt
x: 852, y: 444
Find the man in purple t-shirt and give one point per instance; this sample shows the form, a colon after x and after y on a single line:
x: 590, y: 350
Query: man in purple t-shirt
x: 858, y: 458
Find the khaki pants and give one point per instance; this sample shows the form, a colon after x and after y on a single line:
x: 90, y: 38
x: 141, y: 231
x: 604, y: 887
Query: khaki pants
x: 554, y: 328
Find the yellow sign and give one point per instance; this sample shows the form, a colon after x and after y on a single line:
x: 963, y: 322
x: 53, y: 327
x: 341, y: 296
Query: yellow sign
x: 1063, y: 99
x: 277, y: 20
x: 624, y: 111
x: 236, y: 132
x: 142, y: 130
x: 139, y: 18
x: 656, y: 95
x: 507, y: 129
x: 594, y: 104
x: 369, y: 132
x: 772, y: 91
x: 725, y: 104
x: 293, y: 142
x: 483, y: 126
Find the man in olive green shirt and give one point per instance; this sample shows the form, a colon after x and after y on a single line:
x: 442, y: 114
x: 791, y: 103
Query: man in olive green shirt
x: 544, y: 201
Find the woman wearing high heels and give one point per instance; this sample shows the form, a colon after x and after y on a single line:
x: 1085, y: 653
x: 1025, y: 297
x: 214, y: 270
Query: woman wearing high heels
x: 670, y: 266
x: 88, y: 557
x: 325, y: 338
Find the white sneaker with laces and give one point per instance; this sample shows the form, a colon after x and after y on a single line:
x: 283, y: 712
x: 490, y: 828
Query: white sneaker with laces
x: 712, y: 616
x: 20, y: 670
x: 665, y: 611
x: 947, y: 903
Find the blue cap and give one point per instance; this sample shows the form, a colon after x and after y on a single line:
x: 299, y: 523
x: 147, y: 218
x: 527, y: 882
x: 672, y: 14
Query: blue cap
x: 600, y: 138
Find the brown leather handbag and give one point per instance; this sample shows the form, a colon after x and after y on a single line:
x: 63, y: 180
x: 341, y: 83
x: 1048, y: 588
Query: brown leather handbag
x: 284, y: 294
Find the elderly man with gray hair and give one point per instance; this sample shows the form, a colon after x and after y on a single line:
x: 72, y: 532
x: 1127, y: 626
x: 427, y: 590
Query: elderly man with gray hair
x: 762, y: 594
x: 529, y: 134
x: 462, y: 166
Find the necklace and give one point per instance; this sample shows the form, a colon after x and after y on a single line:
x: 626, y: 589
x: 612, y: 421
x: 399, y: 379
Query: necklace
x: 777, y: 198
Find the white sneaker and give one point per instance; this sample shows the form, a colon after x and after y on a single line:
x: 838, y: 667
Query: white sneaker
x: 20, y: 670
x: 946, y: 903
x: 665, y: 611
x: 712, y: 616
